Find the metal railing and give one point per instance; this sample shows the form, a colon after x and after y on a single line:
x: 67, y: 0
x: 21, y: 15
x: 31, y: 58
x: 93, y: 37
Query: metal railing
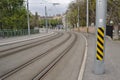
x: 13, y: 33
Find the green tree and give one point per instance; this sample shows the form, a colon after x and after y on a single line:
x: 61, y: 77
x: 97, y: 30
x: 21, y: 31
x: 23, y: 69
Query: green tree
x: 92, y: 11
x: 13, y: 14
x: 113, y: 11
x: 51, y: 22
x: 72, y: 14
x: 34, y: 20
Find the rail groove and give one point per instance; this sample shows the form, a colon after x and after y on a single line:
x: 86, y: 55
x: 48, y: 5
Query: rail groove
x: 55, y: 61
x: 27, y: 46
x: 32, y: 60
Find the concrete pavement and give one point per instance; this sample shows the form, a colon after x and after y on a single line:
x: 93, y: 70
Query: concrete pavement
x: 112, y: 60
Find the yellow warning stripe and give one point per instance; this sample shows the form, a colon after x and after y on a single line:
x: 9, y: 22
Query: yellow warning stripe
x: 103, y: 28
x: 100, y: 39
x: 100, y: 51
x: 101, y: 46
x: 101, y: 32
x: 100, y: 43
x: 99, y: 57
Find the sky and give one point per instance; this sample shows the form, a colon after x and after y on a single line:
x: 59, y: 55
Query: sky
x: 39, y: 6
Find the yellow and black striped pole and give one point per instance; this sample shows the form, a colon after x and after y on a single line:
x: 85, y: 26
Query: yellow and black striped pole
x: 101, y: 10
x: 100, y: 50
x: 100, y: 43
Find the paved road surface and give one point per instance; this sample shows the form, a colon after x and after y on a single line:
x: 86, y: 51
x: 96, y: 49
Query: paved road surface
x: 58, y: 57
x: 68, y: 68
x: 22, y: 38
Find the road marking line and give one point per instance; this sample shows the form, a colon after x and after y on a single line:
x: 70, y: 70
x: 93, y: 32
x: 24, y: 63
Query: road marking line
x: 80, y: 77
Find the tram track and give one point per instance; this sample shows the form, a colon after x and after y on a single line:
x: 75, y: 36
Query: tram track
x: 13, y: 50
x: 55, y: 61
x: 33, y: 60
x: 69, y: 66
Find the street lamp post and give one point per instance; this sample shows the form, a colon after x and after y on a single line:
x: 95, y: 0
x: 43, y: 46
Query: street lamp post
x: 46, y: 22
x: 87, y: 19
x: 78, y: 16
x: 46, y: 14
x: 28, y: 19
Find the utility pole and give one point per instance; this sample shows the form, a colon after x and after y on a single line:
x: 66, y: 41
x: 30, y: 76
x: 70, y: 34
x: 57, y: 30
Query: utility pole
x: 28, y: 19
x: 66, y: 20
x: 87, y: 18
x: 101, y: 9
x: 78, y: 15
x: 46, y: 22
x: 46, y: 14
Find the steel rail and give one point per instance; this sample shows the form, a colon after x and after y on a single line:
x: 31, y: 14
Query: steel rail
x: 23, y: 44
x: 6, y: 75
x: 55, y: 61
x: 23, y: 47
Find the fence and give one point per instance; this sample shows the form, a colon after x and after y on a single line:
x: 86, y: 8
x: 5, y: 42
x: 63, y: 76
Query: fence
x: 12, y: 33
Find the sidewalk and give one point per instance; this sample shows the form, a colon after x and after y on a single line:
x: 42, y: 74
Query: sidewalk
x: 112, y: 60
x: 22, y: 38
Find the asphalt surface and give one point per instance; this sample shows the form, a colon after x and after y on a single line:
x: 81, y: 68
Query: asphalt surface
x: 112, y: 60
x: 10, y: 62
x: 23, y: 38
x: 69, y: 66
x: 66, y: 69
